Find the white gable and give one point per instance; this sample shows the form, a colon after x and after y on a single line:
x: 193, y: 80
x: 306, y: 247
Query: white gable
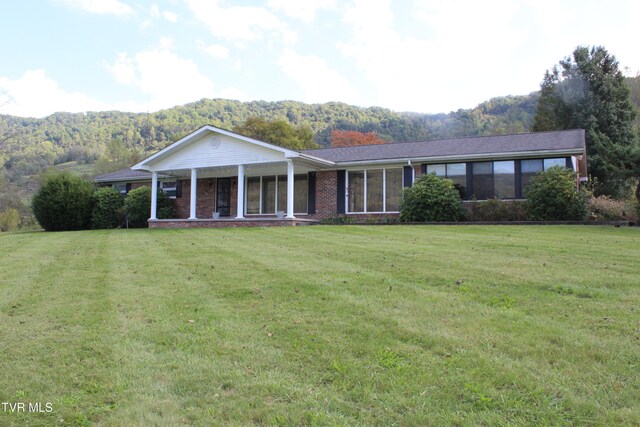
x: 214, y: 150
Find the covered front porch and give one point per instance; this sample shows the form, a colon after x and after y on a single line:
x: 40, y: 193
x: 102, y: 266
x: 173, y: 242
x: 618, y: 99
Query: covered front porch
x: 220, y: 179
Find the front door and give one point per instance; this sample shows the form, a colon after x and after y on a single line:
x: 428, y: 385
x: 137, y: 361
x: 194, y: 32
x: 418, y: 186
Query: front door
x: 223, y: 196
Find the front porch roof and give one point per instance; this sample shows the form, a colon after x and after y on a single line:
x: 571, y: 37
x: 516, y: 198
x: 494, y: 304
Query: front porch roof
x: 210, y: 147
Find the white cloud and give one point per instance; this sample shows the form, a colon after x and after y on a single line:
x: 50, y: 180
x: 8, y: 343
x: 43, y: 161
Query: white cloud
x: 464, y: 46
x: 34, y: 94
x: 240, y: 23
x: 303, y: 10
x: 318, y: 81
x: 100, y: 7
x: 170, y: 16
x: 164, y: 77
x: 214, y: 50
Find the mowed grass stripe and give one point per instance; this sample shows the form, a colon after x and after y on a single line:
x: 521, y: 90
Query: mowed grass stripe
x: 332, y: 325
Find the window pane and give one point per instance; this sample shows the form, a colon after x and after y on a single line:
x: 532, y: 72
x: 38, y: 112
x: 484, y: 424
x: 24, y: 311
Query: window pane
x: 374, y: 190
x: 253, y: 195
x: 268, y: 194
x: 457, y: 172
x: 300, y: 194
x: 483, y: 180
x: 356, y: 191
x: 393, y: 189
x: 529, y: 169
x: 440, y: 170
x: 282, y: 193
x: 549, y: 163
x: 504, y: 180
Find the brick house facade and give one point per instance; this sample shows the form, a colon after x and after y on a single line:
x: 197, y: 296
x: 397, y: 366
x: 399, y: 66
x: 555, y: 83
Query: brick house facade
x: 286, y: 187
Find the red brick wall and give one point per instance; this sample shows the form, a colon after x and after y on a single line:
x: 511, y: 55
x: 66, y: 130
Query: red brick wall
x: 326, y: 195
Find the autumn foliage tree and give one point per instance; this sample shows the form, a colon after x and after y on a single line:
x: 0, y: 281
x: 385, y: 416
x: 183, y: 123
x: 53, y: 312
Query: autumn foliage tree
x: 349, y: 138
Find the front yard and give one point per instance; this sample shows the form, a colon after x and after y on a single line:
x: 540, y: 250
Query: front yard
x: 408, y: 325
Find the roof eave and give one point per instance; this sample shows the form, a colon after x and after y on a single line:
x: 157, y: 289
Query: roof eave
x: 460, y: 158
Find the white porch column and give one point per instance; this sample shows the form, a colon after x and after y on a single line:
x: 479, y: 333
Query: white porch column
x: 154, y: 194
x: 240, y: 213
x: 290, y: 178
x: 194, y: 190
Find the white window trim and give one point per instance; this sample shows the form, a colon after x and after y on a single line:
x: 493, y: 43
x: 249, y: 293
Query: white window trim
x: 384, y: 190
x: 246, y: 197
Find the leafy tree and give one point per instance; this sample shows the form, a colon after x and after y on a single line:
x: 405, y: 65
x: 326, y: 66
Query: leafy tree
x: 346, y: 138
x: 107, y: 208
x: 588, y: 91
x: 431, y: 199
x: 9, y: 219
x: 552, y: 196
x: 137, y: 206
x: 277, y: 132
x: 63, y: 202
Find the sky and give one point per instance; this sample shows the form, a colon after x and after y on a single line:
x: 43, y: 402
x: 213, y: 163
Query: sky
x: 427, y: 56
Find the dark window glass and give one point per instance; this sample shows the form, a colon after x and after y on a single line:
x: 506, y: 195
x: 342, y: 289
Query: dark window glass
x: 253, y: 195
x: 374, y: 190
x: 483, y: 180
x: 268, y: 194
x: 393, y: 189
x: 282, y: 193
x: 457, y: 172
x: 529, y: 169
x: 504, y: 180
x: 356, y: 191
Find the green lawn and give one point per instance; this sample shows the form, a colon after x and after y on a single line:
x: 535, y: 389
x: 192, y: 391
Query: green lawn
x: 323, y: 325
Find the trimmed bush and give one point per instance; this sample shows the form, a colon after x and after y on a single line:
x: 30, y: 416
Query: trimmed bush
x: 108, y: 209
x: 63, y: 202
x: 497, y: 210
x: 137, y: 206
x: 552, y: 196
x: 9, y: 219
x: 431, y: 199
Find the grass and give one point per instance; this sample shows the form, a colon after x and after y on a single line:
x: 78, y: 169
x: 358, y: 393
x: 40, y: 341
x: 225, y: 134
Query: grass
x: 323, y: 325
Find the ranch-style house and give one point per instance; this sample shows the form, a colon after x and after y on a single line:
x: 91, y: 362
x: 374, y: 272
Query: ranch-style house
x: 220, y: 178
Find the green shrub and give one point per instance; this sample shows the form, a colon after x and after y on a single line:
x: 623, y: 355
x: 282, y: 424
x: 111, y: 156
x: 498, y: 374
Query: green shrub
x: 497, y: 210
x: 431, y: 199
x: 552, y: 196
x: 107, y: 208
x: 63, y: 202
x: 9, y: 219
x: 137, y: 206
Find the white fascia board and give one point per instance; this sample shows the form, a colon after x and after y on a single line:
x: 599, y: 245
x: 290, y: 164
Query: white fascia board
x: 315, y: 159
x: 143, y: 165
x: 492, y: 156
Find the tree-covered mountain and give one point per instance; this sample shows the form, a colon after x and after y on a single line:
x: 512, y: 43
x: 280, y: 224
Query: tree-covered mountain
x: 29, y: 145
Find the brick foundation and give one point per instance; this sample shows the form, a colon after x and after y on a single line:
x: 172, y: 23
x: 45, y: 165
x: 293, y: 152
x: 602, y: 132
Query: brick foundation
x: 221, y: 223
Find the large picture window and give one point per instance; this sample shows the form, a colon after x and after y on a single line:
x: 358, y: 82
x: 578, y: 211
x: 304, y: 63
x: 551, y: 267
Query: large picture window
x: 456, y: 172
x: 531, y: 168
x: 374, y: 190
x: 504, y: 182
x: 483, y: 180
x: 267, y: 195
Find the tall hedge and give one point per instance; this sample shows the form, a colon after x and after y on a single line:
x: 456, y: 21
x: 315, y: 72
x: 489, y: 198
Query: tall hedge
x: 108, y: 208
x: 431, y: 199
x: 63, y: 202
x: 137, y: 206
x: 552, y: 196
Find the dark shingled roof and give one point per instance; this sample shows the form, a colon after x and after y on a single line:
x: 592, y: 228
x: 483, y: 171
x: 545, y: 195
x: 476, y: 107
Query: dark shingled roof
x: 569, y: 140
x: 124, y: 175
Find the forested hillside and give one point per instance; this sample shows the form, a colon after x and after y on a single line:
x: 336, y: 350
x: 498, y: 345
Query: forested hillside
x: 29, y: 146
